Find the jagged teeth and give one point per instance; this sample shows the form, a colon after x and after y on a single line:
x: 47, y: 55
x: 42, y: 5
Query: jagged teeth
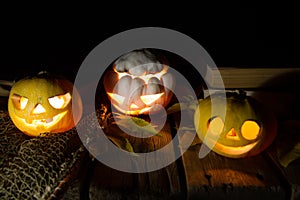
x: 49, y: 120
x: 136, y: 89
x: 168, y: 82
x: 153, y: 87
x: 123, y: 86
x: 133, y: 88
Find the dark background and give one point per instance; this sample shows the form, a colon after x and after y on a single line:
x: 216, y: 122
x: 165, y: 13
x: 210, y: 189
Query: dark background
x: 58, y: 38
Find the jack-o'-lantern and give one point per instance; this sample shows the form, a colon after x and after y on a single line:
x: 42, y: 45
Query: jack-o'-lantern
x: 247, y: 129
x: 139, y: 83
x: 43, y: 103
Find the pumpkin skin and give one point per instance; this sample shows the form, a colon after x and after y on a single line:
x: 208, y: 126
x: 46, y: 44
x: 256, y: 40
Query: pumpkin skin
x: 138, y: 82
x: 247, y: 129
x: 43, y: 103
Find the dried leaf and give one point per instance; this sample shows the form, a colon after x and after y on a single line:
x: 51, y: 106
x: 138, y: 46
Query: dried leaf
x: 292, y: 155
x: 188, y: 103
x: 135, y: 125
x: 123, y: 143
x: 288, y: 142
x: 176, y: 107
x: 129, y: 147
x: 117, y: 141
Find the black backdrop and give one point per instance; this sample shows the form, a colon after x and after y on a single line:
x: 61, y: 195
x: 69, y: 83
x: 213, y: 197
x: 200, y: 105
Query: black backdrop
x: 59, y: 39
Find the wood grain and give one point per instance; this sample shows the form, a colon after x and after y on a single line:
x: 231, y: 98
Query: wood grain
x: 248, y: 77
x: 217, y: 177
x: 159, y: 184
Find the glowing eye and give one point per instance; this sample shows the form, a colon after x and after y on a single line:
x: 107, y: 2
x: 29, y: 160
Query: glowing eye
x: 250, y: 130
x: 23, y: 102
x: 60, y: 101
x: 149, y: 99
x: 118, y: 98
x: 19, y: 101
x: 215, y: 126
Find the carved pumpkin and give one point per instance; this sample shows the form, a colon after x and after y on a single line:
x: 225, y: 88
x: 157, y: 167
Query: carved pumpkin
x: 43, y: 103
x: 139, y: 83
x: 247, y: 129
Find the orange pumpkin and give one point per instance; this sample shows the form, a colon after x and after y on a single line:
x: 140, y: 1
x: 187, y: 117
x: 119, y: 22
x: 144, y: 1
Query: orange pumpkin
x: 139, y: 83
x: 246, y: 130
x: 43, y: 103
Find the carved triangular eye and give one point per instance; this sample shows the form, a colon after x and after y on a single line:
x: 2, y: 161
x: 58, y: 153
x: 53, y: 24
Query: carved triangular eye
x: 19, y: 102
x: 38, y: 109
x: 60, y: 101
x: 116, y: 97
x: 232, y: 135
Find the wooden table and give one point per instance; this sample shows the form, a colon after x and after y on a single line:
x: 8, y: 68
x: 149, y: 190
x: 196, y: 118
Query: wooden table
x: 213, y: 177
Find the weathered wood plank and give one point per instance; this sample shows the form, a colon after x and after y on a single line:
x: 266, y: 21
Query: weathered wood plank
x: 217, y: 177
x: 248, y: 77
x: 108, y: 183
x: 159, y: 184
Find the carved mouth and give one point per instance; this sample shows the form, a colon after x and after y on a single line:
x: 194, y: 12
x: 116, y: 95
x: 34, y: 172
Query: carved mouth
x: 43, y: 123
x: 233, y: 151
x: 131, y: 112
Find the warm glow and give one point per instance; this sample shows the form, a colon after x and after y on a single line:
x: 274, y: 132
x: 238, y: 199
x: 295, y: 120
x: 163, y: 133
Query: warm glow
x: 118, y: 98
x: 232, y: 135
x: 23, y: 102
x: 149, y: 99
x: 44, y: 124
x: 133, y: 106
x: 19, y: 101
x: 234, y: 151
x: 133, y: 112
x: 216, y: 126
x: 38, y: 109
x: 146, y: 77
x: 60, y: 101
x: 250, y: 130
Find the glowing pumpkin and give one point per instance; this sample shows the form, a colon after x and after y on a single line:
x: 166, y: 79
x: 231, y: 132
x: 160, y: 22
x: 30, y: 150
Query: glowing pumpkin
x: 138, y: 82
x: 43, y: 103
x: 247, y: 129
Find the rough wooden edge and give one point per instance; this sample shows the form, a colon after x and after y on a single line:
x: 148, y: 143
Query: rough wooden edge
x: 246, y: 77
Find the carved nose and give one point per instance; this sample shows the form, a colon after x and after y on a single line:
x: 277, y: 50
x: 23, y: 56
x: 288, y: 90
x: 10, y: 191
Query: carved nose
x: 38, y: 109
x: 232, y: 135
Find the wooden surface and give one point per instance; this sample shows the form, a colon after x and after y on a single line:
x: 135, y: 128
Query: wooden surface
x: 217, y: 177
x: 248, y: 77
x: 213, y: 177
x: 164, y: 183
x: 107, y: 183
x: 189, y: 177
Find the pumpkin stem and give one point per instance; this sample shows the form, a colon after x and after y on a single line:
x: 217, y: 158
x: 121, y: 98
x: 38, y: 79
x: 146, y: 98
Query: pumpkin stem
x: 242, y: 94
x: 42, y: 72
